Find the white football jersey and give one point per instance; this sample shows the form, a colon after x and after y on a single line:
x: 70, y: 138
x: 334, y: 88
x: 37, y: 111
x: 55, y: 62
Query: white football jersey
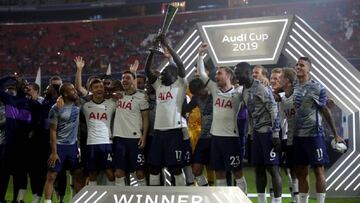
x: 287, y: 113
x: 128, y: 122
x: 225, y: 109
x: 169, y: 101
x: 98, y: 120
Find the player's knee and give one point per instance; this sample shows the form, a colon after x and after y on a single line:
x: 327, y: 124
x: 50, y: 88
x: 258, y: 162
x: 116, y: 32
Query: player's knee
x: 140, y: 174
x: 92, y: 176
x: 119, y: 173
x: 51, y: 177
x: 302, y: 173
x: 273, y: 170
x: 319, y: 172
x: 110, y: 175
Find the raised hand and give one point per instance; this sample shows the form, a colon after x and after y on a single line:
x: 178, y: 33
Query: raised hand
x: 203, y: 48
x: 80, y: 63
x: 133, y: 67
x: 162, y: 39
x: 166, y: 52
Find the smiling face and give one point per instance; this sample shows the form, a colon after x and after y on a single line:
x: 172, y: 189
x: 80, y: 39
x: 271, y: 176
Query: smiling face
x: 127, y: 81
x: 275, y: 81
x: 302, y: 68
x: 97, y: 88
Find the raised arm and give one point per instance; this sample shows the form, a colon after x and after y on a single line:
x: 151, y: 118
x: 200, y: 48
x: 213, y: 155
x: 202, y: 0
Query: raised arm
x: 175, y: 56
x: 133, y: 68
x: 149, y: 72
x: 200, y: 63
x: 80, y: 63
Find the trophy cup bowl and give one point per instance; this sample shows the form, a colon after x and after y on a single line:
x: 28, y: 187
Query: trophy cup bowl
x: 166, y: 22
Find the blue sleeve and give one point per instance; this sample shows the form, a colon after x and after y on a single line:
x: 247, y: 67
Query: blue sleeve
x: 272, y: 107
x: 323, y: 99
x: 53, y: 115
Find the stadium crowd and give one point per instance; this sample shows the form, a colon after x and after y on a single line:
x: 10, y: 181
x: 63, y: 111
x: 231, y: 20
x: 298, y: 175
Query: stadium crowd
x: 52, y: 46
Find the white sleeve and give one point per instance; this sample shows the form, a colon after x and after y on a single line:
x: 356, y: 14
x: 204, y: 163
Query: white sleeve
x: 201, y: 69
x: 157, y: 83
x: 203, y: 76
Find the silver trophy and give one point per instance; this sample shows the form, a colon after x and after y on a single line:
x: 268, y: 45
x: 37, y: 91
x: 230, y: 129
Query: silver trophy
x: 167, y: 19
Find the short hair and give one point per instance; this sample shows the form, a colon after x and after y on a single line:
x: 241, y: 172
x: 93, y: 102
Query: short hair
x: 243, y: 65
x: 264, y: 72
x: 95, y: 81
x: 55, y: 77
x: 196, y: 85
x: 141, y: 76
x: 104, y: 77
x: 35, y: 86
x: 229, y: 71
x: 63, y: 87
x: 116, y: 85
x: 290, y: 74
x: 129, y: 72
x: 276, y: 70
x: 305, y: 58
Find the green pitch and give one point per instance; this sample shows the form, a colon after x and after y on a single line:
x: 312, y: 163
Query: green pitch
x: 249, y: 174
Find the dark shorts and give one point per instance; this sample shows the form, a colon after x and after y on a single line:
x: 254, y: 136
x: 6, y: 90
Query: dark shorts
x: 202, y: 151
x: 187, y: 152
x: 226, y: 154
x: 262, y: 150
x: 127, y: 154
x: 167, y: 149
x: 289, y: 156
x: 98, y: 157
x: 69, y: 158
x: 312, y: 149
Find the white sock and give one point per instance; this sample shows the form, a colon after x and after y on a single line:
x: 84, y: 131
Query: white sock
x: 71, y: 180
x: 92, y: 183
x: 61, y: 198
x: 221, y: 182
x: 271, y: 190
x: 303, y: 197
x: 320, y: 197
x: 36, y: 198
x: 289, y: 179
x: 133, y: 179
x: 179, y: 180
x: 295, y: 190
x: 201, y: 180
x: 241, y: 183
x: 277, y: 199
x: 141, y: 182
x: 47, y: 201
x: 21, y: 194
x: 154, y: 180
x: 189, y: 175
x: 101, y: 178
x: 261, y: 197
x: 120, y: 181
